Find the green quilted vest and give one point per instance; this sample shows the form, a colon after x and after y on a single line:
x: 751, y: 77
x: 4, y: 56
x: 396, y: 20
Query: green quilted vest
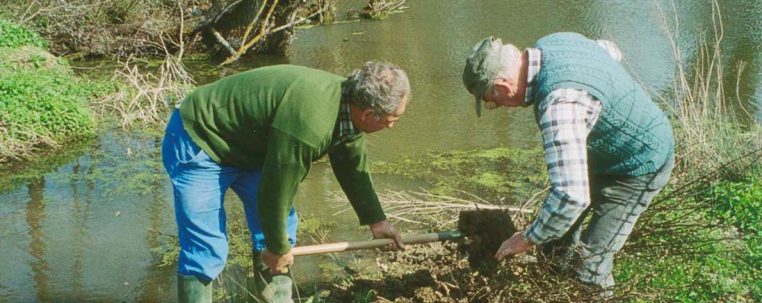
x: 632, y: 136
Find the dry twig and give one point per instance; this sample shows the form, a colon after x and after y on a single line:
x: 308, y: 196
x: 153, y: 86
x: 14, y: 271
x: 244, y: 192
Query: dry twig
x: 425, y: 208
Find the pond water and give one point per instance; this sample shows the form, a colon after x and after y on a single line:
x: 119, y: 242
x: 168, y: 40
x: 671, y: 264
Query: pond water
x: 89, y: 226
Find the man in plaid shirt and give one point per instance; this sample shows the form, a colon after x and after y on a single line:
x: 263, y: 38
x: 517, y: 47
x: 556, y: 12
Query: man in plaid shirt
x: 608, y: 147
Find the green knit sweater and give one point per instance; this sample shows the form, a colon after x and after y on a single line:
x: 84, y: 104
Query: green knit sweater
x: 279, y: 119
x: 632, y: 136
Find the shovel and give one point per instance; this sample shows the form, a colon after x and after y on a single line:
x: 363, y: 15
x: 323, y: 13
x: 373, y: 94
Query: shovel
x: 375, y: 243
x: 485, y: 230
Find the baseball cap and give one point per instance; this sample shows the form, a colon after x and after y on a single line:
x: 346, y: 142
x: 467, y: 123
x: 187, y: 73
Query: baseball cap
x: 482, y: 65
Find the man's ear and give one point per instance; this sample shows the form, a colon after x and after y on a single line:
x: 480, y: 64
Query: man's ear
x: 503, y: 86
x: 366, y: 115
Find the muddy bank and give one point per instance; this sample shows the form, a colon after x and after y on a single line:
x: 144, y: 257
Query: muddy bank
x: 441, y: 273
x: 466, y: 270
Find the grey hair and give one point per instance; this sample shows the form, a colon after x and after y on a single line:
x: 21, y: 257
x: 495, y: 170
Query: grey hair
x: 511, y: 59
x: 379, y: 86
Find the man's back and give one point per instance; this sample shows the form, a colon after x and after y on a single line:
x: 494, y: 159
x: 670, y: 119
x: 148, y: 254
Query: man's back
x: 232, y: 118
x: 632, y: 136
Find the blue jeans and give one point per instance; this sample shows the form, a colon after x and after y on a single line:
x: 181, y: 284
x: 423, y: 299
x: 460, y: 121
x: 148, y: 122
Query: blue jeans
x: 199, y: 186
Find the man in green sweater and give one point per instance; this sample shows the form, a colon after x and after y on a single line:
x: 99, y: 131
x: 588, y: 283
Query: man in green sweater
x: 257, y: 133
x: 608, y: 147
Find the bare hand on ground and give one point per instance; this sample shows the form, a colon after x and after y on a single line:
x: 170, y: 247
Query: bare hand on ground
x: 384, y: 229
x: 515, y: 245
x: 278, y: 264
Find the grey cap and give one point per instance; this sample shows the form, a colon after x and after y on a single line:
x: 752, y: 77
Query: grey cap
x: 482, y: 65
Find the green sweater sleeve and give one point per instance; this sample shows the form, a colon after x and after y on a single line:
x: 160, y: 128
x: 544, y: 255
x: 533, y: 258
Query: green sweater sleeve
x: 285, y: 165
x: 349, y: 163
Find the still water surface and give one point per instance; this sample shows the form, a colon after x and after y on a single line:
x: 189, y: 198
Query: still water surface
x: 90, y: 227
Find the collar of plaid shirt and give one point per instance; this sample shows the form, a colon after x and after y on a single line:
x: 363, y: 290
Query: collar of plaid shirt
x: 534, y: 56
x: 344, y: 127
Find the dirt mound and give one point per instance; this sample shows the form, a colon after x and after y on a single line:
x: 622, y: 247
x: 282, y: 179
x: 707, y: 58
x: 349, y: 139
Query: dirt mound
x: 422, y: 273
x: 28, y: 58
x: 485, y: 230
x: 437, y: 272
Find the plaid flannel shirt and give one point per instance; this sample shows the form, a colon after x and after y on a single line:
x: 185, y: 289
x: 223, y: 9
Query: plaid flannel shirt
x: 569, y: 118
x: 344, y: 127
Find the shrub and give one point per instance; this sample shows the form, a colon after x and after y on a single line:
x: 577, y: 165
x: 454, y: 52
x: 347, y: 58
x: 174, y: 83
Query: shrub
x: 739, y: 203
x: 13, y: 35
x: 41, y: 108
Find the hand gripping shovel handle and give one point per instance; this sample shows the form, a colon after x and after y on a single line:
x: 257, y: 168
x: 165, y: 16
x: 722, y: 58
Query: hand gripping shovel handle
x: 375, y: 243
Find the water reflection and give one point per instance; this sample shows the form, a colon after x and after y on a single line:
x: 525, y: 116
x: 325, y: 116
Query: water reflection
x: 35, y: 217
x: 157, y: 283
x: 79, y: 220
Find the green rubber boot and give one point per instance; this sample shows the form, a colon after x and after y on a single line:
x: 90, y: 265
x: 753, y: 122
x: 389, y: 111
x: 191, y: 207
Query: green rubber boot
x: 271, y: 288
x: 191, y: 290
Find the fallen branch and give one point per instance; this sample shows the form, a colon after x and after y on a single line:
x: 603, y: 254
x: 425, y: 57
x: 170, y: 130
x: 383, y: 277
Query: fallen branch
x: 222, y: 41
x: 262, y: 33
x: 265, y: 29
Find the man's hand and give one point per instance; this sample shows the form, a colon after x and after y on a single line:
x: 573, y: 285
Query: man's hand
x: 515, y: 245
x: 278, y: 264
x: 384, y: 229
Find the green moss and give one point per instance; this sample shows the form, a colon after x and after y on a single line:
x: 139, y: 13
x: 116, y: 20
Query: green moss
x: 499, y: 173
x: 489, y: 180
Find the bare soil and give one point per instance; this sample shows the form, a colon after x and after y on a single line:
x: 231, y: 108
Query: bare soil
x: 462, y: 271
x: 438, y: 272
x: 485, y: 231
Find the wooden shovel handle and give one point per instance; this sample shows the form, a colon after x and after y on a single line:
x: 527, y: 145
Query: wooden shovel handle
x: 375, y: 243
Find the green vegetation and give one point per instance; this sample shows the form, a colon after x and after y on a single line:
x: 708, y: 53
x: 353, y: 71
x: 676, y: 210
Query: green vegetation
x: 493, y: 174
x: 701, y: 241
x: 740, y: 204
x: 695, y: 249
x: 13, y: 35
x: 42, y: 108
x: 42, y: 102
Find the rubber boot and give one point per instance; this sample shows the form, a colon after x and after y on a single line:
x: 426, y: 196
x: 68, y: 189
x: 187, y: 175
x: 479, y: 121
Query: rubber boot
x: 191, y: 290
x: 271, y: 288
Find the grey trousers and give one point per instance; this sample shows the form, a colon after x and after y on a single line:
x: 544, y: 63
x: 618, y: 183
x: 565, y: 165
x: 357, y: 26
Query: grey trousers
x: 616, y: 204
